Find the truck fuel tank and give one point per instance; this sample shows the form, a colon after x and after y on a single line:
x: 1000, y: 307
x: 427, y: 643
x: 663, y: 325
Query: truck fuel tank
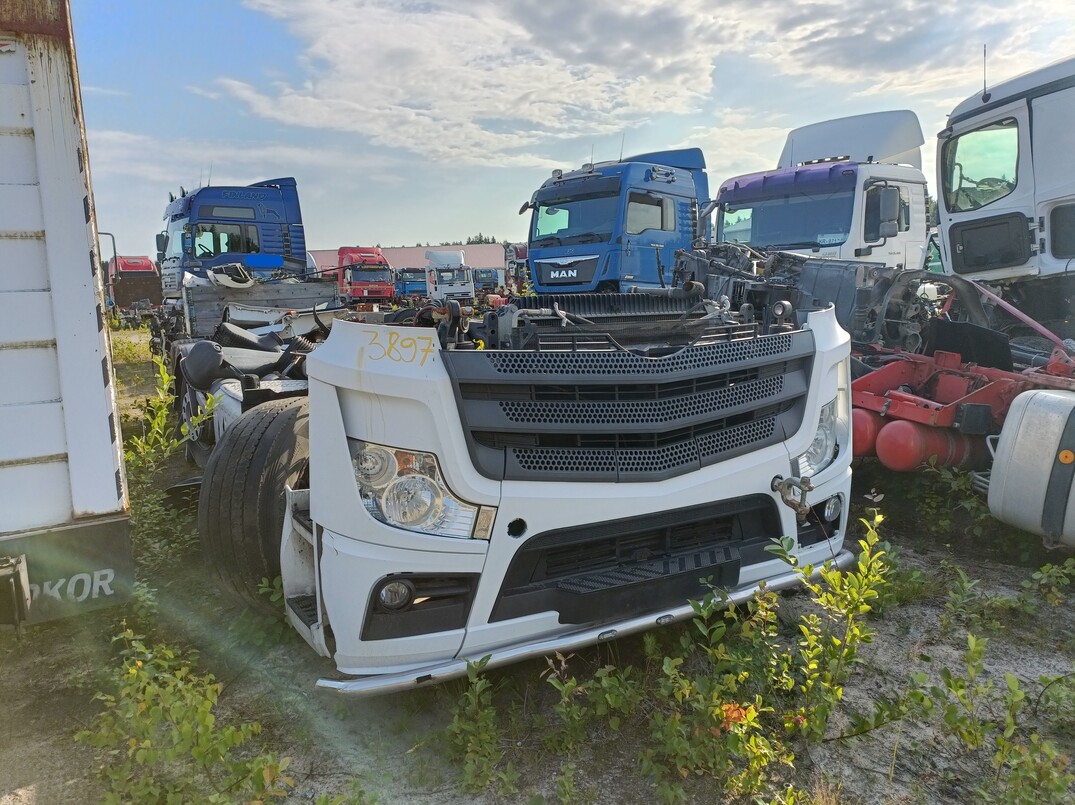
x: 1032, y: 485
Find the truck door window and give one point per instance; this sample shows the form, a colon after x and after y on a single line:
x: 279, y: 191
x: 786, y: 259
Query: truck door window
x: 871, y: 230
x: 981, y: 166
x: 735, y: 224
x: 649, y: 212
x: 174, y: 247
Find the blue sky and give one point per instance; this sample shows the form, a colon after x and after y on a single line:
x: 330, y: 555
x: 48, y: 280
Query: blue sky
x: 409, y: 121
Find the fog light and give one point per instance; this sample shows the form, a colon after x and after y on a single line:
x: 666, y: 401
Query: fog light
x: 833, y: 508
x: 396, y: 594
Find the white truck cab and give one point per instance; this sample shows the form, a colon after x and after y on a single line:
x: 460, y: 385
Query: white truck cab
x: 450, y: 277
x: 1007, y: 182
x: 850, y: 188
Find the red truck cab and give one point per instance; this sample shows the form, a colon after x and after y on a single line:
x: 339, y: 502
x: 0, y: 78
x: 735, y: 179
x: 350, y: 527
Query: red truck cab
x: 364, y: 274
x: 133, y: 279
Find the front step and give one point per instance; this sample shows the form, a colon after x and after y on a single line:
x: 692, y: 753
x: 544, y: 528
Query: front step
x: 299, y: 569
x: 305, y: 608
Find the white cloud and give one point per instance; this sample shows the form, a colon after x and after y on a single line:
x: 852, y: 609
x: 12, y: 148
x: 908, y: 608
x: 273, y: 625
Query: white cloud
x: 119, y: 153
x: 104, y: 91
x: 204, y: 93
x: 504, y: 82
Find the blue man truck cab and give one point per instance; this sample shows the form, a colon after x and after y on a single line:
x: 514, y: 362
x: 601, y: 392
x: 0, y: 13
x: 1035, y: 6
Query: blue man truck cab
x: 613, y: 225
x: 259, y: 225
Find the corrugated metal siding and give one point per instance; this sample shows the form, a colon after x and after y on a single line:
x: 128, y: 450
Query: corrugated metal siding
x: 60, y: 455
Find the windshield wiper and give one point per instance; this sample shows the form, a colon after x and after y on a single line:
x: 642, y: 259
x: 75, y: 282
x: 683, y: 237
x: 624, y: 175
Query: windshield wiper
x: 795, y: 244
x: 590, y: 237
x: 548, y: 240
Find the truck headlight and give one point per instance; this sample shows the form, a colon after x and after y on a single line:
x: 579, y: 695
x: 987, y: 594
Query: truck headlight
x: 823, y: 449
x: 405, y: 489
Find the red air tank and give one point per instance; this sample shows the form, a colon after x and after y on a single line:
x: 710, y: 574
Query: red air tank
x: 903, y: 446
x: 865, y: 425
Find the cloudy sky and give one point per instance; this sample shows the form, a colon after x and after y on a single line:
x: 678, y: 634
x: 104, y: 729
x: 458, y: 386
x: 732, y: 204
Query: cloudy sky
x: 408, y: 121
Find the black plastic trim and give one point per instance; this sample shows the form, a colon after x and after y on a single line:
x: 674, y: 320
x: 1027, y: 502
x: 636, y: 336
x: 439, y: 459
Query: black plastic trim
x: 1058, y: 489
x: 446, y: 607
x: 631, y: 566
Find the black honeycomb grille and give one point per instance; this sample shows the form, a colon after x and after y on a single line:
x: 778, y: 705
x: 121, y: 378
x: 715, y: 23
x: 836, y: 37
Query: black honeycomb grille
x: 617, y: 416
x: 628, y: 411
x: 626, y: 363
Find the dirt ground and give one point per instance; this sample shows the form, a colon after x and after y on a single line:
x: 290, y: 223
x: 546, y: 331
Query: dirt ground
x: 394, y: 746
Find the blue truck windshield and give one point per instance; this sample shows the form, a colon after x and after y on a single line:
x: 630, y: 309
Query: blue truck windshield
x: 564, y: 221
x: 788, y: 221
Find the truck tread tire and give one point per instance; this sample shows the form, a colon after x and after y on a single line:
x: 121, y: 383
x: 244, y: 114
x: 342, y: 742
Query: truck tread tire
x: 241, y: 506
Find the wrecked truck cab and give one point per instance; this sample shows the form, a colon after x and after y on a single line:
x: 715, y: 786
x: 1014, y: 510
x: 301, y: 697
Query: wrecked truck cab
x: 565, y: 470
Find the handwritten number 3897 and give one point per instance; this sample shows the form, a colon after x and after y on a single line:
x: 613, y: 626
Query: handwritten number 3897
x: 392, y: 346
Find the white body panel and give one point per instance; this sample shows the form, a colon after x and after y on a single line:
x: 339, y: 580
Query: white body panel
x: 62, y: 485
x: 402, y: 397
x: 60, y: 456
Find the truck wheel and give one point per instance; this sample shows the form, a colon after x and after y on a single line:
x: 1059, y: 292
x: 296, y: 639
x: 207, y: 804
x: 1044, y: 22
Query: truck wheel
x: 241, y: 506
x: 200, y: 443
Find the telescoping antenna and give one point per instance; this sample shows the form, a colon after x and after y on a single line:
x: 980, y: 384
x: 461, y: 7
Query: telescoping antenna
x: 985, y: 93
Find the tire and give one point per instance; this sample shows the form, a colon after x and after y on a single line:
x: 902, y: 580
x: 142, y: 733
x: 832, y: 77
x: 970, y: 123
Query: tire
x: 199, y: 446
x: 241, y: 506
x: 405, y: 315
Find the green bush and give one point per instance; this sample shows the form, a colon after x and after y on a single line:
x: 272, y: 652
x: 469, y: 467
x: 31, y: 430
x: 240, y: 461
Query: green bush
x: 161, y: 742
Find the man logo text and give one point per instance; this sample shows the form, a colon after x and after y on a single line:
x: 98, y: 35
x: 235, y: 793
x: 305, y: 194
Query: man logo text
x: 568, y: 273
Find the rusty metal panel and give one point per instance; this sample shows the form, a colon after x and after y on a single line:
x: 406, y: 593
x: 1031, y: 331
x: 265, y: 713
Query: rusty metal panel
x: 47, y: 17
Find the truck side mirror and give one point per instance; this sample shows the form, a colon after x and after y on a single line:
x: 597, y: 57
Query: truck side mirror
x: 188, y: 243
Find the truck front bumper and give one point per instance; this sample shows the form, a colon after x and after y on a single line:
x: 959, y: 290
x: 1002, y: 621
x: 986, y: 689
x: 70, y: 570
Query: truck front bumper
x: 573, y: 641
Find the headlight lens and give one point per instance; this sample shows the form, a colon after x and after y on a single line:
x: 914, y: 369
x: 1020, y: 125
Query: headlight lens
x: 823, y: 449
x: 412, y: 500
x: 405, y: 489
